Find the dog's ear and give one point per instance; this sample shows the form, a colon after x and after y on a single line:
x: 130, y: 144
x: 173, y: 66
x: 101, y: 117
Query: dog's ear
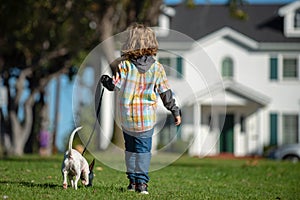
x: 91, y: 166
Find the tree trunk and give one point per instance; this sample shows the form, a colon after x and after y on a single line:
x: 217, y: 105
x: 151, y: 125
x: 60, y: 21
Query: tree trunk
x: 2, y: 132
x: 21, y: 132
x: 57, y: 97
x: 40, y: 122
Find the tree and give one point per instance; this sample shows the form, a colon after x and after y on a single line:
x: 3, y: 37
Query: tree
x: 52, y: 37
x: 44, y: 44
x: 235, y: 9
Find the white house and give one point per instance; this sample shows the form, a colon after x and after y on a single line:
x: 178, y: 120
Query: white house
x: 238, y: 80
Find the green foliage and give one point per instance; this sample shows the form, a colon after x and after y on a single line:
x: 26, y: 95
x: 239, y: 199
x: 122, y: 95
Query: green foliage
x: 41, y: 34
x: 188, y: 178
x: 235, y: 9
x: 190, y: 3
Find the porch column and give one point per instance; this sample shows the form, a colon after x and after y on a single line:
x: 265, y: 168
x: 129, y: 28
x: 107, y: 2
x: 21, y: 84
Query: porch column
x: 195, y: 148
x: 260, y: 142
x: 299, y: 122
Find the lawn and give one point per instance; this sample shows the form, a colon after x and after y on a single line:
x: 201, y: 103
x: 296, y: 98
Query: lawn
x: 32, y: 177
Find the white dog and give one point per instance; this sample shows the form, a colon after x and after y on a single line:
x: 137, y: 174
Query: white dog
x: 75, y: 165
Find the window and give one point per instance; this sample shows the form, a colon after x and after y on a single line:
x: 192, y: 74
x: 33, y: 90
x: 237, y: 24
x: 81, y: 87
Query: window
x: 297, y: 19
x: 284, y: 67
x: 227, y: 68
x: 165, y: 61
x: 290, y: 129
x: 290, y: 68
x: 173, y: 66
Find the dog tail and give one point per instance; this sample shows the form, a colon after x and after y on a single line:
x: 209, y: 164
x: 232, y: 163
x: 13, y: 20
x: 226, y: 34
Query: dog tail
x: 72, y: 137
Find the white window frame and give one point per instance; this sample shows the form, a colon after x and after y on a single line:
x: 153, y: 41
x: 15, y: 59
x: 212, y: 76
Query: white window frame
x: 297, y: 19
x: 282, y: 126
x: 281, y: 58
x: 284, y: 68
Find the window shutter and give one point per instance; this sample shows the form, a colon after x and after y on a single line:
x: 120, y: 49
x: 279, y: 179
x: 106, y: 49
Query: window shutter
x: 273, y: 68
x: 179, y: 67
x: 273, y: 128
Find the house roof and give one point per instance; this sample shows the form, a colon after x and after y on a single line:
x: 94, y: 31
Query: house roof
x: 263, y: 24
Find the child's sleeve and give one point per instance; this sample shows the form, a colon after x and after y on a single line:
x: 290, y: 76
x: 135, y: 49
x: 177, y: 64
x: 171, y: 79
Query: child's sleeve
x: 119, y: 76
x: 169, y: 102
x: 165, y: 93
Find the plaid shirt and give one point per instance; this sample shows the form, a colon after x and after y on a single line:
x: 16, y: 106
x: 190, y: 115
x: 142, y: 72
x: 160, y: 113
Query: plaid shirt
x: 138, y: 93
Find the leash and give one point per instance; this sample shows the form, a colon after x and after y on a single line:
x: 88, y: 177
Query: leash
x: 97, y: 113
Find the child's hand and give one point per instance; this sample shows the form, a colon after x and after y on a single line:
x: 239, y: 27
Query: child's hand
x: 177, y: 120
x: 107, y: 82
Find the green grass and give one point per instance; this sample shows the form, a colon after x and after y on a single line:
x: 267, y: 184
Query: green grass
x: 32, y: 177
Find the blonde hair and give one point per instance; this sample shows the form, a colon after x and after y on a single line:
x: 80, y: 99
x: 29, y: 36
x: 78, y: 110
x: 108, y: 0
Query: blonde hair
x: 141, y: 40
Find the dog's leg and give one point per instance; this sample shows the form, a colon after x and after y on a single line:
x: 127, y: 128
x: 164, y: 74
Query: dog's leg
x: 65, y: 183
x: 77, y: 177
x: 71, y: 181
x: 85, y: 180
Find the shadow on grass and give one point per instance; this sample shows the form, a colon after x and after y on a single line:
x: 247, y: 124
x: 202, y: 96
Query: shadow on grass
x: 57, y: 186
x: 31, y: 184
x: 34, y: 159
x: 194, y: 164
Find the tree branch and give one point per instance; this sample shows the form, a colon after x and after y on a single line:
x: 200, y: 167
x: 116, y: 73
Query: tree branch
x: 52, y: 55
x: 20, y: 84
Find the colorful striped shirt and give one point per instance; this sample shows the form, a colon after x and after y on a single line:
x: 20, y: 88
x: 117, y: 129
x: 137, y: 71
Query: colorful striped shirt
x: 138, y: 94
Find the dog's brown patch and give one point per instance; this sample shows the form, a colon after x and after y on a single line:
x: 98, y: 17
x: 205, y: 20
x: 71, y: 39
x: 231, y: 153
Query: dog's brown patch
x: 79, y: 148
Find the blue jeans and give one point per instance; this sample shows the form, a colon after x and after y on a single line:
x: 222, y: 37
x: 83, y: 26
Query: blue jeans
x: 138, y: 156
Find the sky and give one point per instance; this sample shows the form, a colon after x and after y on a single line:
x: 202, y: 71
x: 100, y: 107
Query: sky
x: 65, y: 113
x: 225, y: 1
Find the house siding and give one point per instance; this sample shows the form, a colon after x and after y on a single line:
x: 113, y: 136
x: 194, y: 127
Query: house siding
x: 251, y: 69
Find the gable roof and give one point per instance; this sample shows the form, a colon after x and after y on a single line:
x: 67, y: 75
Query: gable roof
x: 289, y: 8
x: 233, y: 35
x: 263, y: 24
x: 240, y: 91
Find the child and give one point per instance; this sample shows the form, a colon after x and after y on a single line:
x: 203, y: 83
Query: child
x: 139, y: 80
